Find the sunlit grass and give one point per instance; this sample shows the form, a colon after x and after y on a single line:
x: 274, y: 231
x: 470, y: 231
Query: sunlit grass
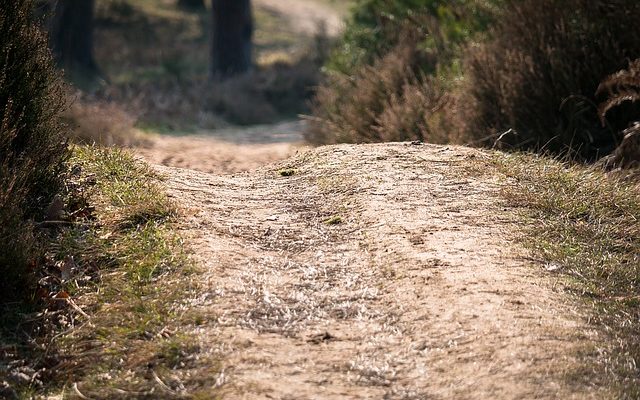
x: 143, y: 274
x: 585, y: 224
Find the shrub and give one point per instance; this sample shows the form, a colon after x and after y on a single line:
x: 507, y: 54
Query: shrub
x: 389, y: 101
x: 378, y: 26
x: 100, y: 122
x: 539, y: 73
x: 395, y: 71
x: 32, y: 150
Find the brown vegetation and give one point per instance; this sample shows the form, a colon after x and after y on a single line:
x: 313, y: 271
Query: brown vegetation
x: 583, y: 223
x: 389, y: 101
x: 539, y: 73
x: 527, y: 81
x: 98, y: 122
x: 623, y: 87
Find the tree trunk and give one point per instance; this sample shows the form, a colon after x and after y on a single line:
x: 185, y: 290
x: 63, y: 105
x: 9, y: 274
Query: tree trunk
x: 72, y: 40
x: 231, y: 35
x: 191, y: 4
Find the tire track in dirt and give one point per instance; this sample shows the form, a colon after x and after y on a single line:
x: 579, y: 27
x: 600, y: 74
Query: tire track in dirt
x: 420, y: 291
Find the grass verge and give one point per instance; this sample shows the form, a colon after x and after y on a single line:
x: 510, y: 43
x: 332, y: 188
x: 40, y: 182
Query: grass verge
x: 111, y: 319
x: 585, y: 224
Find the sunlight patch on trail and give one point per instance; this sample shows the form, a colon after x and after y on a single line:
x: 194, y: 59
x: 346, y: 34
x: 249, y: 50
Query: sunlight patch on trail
x: 229, y: 150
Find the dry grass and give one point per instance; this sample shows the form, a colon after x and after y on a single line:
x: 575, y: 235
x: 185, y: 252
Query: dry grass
x: 264, y: 95
x: 584, y: 224
x: 102, y: 123
x: 621, y: 87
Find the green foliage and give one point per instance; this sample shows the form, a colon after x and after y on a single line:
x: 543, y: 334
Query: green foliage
x: 127, y: 186
x: 378, y: 26
x: 539, y: 74
x: 32, y: 149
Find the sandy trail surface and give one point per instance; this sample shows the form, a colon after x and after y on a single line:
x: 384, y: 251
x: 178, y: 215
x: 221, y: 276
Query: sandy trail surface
x: 373, y: 272
x: 307, y: 16
x: 226, y: 150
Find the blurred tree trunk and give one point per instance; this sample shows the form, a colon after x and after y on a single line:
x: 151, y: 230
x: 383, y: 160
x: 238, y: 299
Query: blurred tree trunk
x: 191, y: 4
x: 72, y: 40
x: 231, y: 35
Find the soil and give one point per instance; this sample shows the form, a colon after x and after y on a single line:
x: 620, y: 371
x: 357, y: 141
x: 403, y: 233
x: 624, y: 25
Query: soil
x: 226, y: 150
x: 308, y: 16
x: 386, y: 271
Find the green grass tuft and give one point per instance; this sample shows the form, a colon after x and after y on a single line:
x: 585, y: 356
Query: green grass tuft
x: 334, y: 220
x: 130, y: 272
x: 288, y: 172
x: 142, y: 259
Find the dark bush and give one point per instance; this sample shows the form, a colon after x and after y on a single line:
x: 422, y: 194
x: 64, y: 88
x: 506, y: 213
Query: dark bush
x: 32, y: 149
x: 621, y: 89
x: 539, y: 73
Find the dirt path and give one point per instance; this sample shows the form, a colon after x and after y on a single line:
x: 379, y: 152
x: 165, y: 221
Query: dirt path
x: 307, y: 16
x: 225, y: 151
x: 373, y: 272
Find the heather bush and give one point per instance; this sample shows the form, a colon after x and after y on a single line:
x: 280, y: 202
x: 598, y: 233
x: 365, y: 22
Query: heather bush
x: 389, y: 101
x: 32, y: 149
x: 395, y: 71
x: 537, y: 77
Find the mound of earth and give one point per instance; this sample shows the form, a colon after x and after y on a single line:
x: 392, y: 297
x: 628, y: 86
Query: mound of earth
x: 374, y: 271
